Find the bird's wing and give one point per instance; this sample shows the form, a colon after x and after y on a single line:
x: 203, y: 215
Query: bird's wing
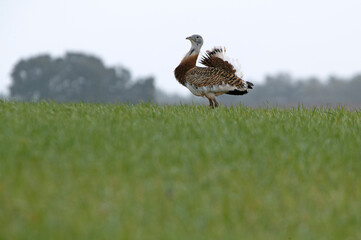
x: 211, y: 76
x: 217, y: 58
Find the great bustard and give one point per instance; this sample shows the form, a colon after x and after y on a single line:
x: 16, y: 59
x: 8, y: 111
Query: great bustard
x: 221, y: 75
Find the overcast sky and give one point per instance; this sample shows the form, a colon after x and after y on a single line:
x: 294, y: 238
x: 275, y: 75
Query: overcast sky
x: 305, y: 38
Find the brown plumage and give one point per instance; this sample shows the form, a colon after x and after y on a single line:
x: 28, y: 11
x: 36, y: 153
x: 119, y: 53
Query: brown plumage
x: 182, y: 69
x: 221, y: 76
x: 210, y: 59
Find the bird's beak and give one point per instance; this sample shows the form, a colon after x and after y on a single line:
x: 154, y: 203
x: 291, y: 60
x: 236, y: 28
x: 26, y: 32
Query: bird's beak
x: 188, y: 38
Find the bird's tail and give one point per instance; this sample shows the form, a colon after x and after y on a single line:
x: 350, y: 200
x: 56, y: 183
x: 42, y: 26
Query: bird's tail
x: 249, y: 85
x: 241, y: 92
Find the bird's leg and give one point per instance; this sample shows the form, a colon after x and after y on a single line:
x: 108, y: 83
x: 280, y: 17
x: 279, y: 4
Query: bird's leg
x: 210, y: 103
x: 215, y: 102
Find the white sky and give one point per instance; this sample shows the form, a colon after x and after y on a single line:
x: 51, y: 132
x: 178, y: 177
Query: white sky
x: 305, y: 38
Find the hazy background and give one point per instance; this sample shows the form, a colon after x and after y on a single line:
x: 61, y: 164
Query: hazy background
x: 304, y: 38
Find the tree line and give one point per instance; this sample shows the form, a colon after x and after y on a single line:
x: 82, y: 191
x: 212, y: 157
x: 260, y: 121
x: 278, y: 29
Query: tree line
x: 77, y: 77
x: 82, y: 77
x: 284, y: 90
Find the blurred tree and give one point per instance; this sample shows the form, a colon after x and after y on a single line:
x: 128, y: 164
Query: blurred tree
x: 143, y: 90
x: 28, y: 77
x: 283, y: 90
x: 76, y: 77
x: 354, y: 97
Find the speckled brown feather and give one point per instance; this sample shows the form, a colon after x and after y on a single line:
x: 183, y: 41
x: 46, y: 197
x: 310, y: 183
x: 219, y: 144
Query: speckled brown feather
x: 210, y: 59
x: 211, y: 76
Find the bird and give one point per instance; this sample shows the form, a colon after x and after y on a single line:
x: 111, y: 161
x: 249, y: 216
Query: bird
x: 221, y: 74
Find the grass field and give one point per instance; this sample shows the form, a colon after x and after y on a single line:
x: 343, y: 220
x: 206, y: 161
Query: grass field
x: 93, y: 171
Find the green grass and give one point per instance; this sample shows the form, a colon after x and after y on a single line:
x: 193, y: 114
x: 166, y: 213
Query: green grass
x: 93, y: 171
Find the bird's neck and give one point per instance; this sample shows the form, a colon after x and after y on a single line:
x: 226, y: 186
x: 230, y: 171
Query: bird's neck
x: 195, y: 49
x: 188, y: 62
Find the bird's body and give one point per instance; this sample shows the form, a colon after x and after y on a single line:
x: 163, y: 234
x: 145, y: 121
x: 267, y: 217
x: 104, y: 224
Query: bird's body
x: 220, y: 76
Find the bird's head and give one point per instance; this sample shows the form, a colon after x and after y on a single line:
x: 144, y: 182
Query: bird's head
x: 196, y: 40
